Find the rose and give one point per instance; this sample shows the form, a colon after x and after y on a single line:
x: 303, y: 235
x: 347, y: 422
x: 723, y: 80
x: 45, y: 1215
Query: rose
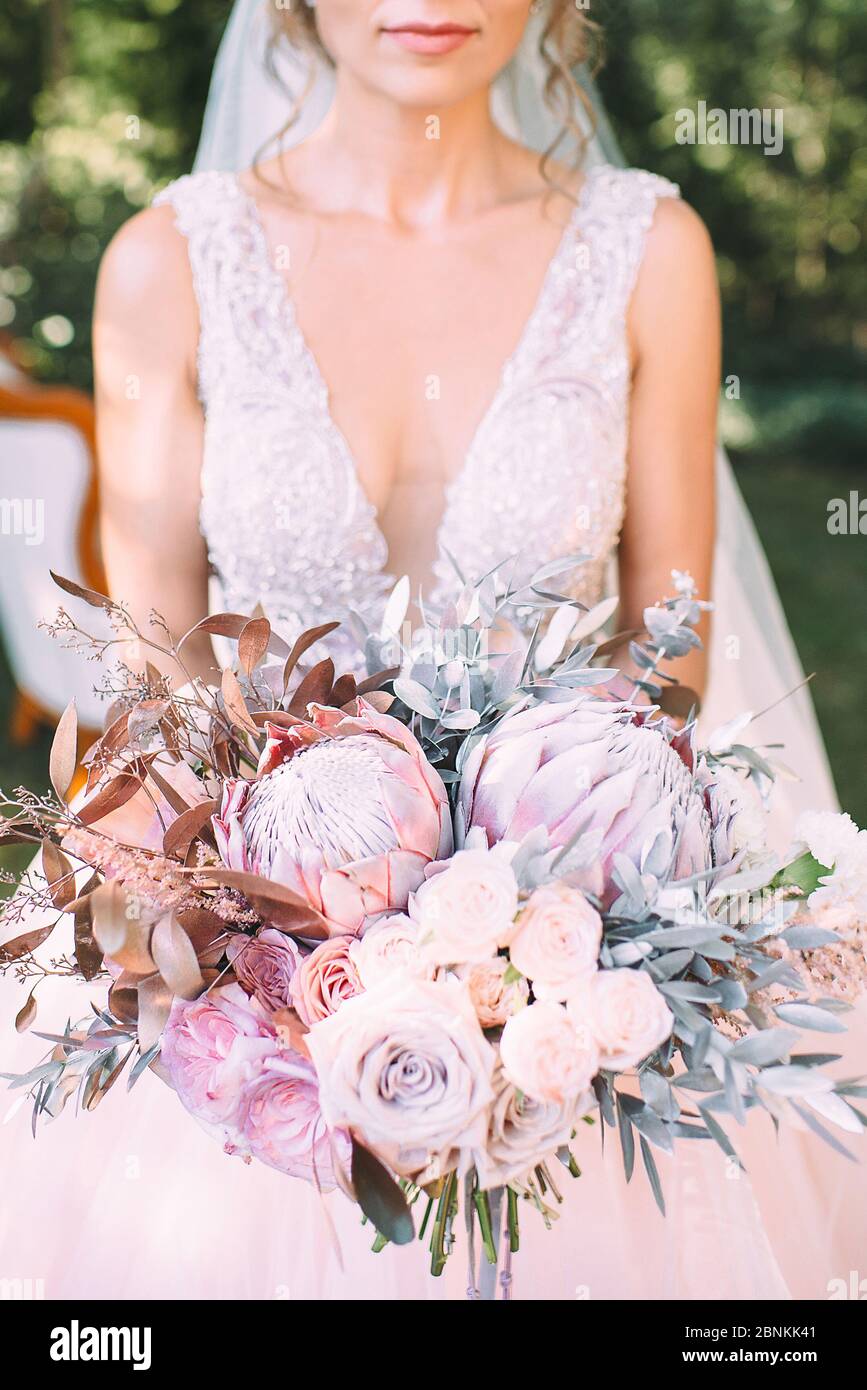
x: 625, y: 1013
x: 265, y: 965
x: 345, y: 810
x: 211, y: 1047
x: 324, y: 980
x: 558, y: 939
x: 493, y: 999
x: 407, y: 1066
x: 466, y: 911
x: 523, y: 1131
x: 545, y: 1055
x: 281, y: 1122
x: 391, y: 944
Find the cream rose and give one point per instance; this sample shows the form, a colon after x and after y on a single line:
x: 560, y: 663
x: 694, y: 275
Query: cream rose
x: 545, y: 1056
x: 389, y: 945
x: 557, y: 941
x: 625, y: 1013
x: 493, y: 999
x: 466, y: 911
x: 523, y: 1132
x: 408, y: 1068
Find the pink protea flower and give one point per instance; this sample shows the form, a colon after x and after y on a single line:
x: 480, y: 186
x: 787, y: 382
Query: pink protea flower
x: 593, y: 766
x: 345, y: 810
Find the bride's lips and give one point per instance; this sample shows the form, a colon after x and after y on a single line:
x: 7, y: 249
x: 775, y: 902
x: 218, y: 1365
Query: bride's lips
x: 430, y: 39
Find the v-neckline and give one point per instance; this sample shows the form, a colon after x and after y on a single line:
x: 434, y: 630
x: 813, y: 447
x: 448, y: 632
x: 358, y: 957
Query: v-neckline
x: 304, y: 352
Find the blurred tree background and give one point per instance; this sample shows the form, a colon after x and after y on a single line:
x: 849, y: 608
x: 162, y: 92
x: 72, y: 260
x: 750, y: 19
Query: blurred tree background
x: 101, y: 101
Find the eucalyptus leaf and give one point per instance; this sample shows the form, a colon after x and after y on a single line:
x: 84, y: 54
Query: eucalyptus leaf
x: 380, y: 1197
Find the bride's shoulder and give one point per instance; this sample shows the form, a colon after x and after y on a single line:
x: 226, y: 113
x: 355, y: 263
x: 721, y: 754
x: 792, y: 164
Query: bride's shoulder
x: 650, y: 206
x: 147, y: 262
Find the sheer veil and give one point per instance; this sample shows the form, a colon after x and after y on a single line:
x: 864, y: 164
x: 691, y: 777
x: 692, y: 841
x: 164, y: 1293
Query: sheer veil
x: 753, y: 658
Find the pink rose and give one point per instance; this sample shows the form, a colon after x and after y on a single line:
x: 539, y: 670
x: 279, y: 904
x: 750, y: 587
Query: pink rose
x: 625, y: 1013
x: 557, y: 941
x: 325, y: 979
x: 210, y: 1048
x: 493, y: 999
x: 282, y: 1125
x: 545, y: 1055
x: 265, y: 965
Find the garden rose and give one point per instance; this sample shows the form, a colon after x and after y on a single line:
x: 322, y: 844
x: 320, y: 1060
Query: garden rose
x: 347, y: 813
x: 557, y: 941
x: 523, y: 1131
x: 324, y: 980
x: 466, y: 911
x: 388, y: 945
x: 407, y: 1066
x: 492, y: 998
x: 281, y: 1122
x: 545, y: 1056
x: 211, y: 1047
x: 625, y: 1013
x: 264, y: 965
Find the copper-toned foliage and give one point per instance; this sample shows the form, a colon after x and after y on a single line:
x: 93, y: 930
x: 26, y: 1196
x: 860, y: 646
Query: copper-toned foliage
x: 24, y: 945
x: 63, y: 756
x: 88, y: 954
x: 303, y: 644
x: 119, y: 928
x: 236, y: 705
x: 59, y: 875
x: 26, y: 1016
x: 282, y: 908
x: 315, y: 688
x: 679, y: 701
x: 175, y: 957
x: 90, y: 596
x: 192, y: 824
x: 232, y: 625
x: 115, y: 793
x: 253, y: 643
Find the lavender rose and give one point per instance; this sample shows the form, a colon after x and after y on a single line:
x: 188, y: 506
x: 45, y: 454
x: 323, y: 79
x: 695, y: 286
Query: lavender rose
x: 523, y: 1131
x: 211, y: 1048
x: 265, y: 965
x: 407, y: 1066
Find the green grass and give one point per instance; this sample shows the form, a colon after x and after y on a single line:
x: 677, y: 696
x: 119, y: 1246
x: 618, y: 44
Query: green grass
x: 822, y: 580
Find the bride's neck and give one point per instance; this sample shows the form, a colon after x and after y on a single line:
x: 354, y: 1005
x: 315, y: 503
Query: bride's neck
x: 405, y: 165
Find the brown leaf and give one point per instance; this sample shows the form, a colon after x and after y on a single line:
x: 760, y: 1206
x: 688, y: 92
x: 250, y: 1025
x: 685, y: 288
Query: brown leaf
x: 88, y: 954
x: 90, y: 596
x: 62, y: 759
x: 24, y: 945
x: 123, y: 999
x: 620, y: 639
x: 343, y: 691
x: 116, y: 736
x: 303, y: 644
x: 315, y: 687
x: 119, y: 928
x: 253, y: 643
x: 380, y: 700
x: 114, y: 794
x: 207, y: 932
x: 236, y: 705
x: 154, y: 1007
x: 284, y: 909
x: 59, y: 875
x: 168, y: 792
x: 192, y: 824
x: 232, y: 625
x: 376, y: 681
x: 175, y: 958
x: 291, y: 1031
x: 26, y: 1016
x: 144, y: 717
x: 678, y: 701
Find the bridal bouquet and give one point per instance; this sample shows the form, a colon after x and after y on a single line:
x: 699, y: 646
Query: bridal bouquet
x: 415, y: 935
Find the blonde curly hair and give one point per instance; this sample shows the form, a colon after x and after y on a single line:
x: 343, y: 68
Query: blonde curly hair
x: 567, y: 40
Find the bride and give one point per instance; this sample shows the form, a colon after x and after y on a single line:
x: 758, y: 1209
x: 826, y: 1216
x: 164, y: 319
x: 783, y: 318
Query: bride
x: 318, y: 368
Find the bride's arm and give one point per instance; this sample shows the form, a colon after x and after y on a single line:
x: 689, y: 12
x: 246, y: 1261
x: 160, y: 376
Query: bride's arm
x: 149, y: 428
x: 674, y: 324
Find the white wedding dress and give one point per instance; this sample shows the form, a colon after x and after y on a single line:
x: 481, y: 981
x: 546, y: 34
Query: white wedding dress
x: 135, y: 1200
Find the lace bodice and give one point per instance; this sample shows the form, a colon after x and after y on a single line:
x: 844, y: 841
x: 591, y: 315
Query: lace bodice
x: 283, y: 512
